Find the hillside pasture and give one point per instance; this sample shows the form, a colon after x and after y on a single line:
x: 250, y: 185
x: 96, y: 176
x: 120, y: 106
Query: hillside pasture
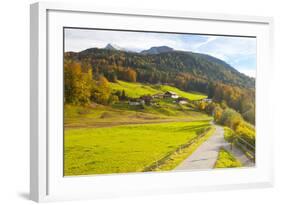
x: 135, y: 90
x: 188, y: 95
x: 121, y: 114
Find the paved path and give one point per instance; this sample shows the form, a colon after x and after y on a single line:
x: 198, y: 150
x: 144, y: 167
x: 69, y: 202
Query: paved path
x: 206, y: 155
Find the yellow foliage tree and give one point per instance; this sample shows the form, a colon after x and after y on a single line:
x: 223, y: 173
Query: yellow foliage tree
x: 217, y: 114
x: 202, y: 105
x: 101, y: 91
x: 77, y: 85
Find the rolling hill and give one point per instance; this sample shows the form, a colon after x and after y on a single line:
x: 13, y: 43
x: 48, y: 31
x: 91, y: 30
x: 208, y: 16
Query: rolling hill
x: 164, y: 64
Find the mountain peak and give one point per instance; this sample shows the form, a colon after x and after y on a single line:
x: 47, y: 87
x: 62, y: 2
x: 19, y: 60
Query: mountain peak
x: 111, y: 46
x: 157, y: 50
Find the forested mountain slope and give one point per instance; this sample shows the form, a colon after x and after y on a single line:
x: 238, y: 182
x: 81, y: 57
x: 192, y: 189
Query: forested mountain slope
x: 166, y: 67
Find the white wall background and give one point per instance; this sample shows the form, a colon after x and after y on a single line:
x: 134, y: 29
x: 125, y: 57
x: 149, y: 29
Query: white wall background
x: 14, y: 101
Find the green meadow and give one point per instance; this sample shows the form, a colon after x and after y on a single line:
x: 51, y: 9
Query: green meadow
x: 125, y: 148
x: 120, y: 138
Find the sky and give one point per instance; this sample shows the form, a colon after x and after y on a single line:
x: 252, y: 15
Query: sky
x: 239, y: 52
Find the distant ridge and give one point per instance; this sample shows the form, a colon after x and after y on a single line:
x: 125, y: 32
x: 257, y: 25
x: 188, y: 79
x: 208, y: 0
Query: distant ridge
x: 151, y: 51
x: 157, y: 50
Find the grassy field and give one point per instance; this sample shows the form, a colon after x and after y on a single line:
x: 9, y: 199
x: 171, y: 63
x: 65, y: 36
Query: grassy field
x: 121, y: 114
x: 135, y: 90
x: 121, y: 138
x: 227, y: 160
x: 126, y: 148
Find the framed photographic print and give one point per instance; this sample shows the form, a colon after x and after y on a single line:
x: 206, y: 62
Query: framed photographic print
x: 127, y: 102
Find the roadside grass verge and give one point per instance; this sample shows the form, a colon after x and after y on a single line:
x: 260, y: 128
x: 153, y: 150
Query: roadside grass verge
x: 126, y: 148
x: 177, y: 157
x: 228, y: 134
x: 226, y: 160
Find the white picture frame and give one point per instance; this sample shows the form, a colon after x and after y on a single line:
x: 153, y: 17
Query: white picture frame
x: 46, y: 179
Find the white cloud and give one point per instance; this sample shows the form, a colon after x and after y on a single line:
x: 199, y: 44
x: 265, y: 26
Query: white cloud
x: 78, y: 39
x: 230, y: 46
x: 209, y: 39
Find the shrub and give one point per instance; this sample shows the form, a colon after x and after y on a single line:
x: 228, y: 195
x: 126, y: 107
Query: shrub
x: 217, y: 113
x: 113, y: 99
x: 230, y: 118
x: 247, y: 132
x: 229, y: 134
